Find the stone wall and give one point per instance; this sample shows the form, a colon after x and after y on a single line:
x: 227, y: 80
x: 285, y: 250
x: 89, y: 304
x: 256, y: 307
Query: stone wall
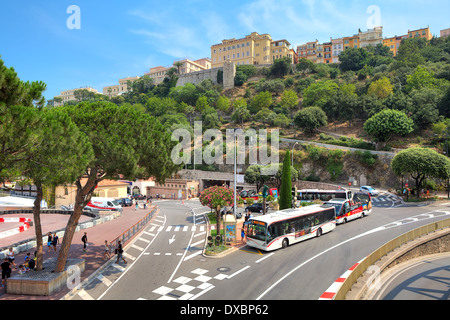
x: 197, y: 77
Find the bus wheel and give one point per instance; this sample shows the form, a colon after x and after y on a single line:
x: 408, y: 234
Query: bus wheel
x: 285, y: 243
x: 319, y: 232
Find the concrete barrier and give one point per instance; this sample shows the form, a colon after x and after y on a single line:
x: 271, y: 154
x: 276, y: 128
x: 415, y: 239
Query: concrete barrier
x: 358, y: 281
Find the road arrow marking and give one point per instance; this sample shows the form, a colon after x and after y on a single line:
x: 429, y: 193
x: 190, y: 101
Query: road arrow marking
x: 172, y: 240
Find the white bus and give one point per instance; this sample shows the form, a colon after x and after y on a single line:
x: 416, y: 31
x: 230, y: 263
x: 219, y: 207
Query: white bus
x: 323, y: 195
x: 287, y: 227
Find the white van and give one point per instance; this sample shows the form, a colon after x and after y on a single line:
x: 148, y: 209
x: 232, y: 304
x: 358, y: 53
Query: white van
x: 103, y: 204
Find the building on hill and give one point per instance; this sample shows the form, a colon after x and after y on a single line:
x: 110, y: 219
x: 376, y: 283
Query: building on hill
x: 118, y: 89
x: 445, y: 33
x: 251, y: 50
x: 371, y: 37
x: 69, y: 95
x: 420, y: 33
x: 183, y: 66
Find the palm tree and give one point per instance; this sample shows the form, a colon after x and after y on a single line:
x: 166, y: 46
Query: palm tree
x: 178, y: 65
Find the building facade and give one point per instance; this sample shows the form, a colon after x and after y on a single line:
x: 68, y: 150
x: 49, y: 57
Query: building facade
x: 121, y: 88
x: 445, y: 33
x: 253, y: 49
x: 420, y: 33
x: 69, y: 95
x: 371, y: 37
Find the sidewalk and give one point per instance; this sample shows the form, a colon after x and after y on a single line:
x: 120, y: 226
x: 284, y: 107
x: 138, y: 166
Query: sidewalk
x: 94, y: 254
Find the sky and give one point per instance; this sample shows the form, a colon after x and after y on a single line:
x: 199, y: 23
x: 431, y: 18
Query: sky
x: 102, y: 41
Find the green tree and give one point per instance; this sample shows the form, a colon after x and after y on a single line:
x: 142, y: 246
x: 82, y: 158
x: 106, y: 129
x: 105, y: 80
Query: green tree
x: 241, y: 112
x: 409, y: 54
x: 285, y: 200
x: 223, y: 104
x: 253, y: 175
x: 309, y: 119
x: 420, y: 164
x: 381, y: 88
x: 353, y: 59
x: 127, y: 144
x: 281, y: 67
x: 261, y: 101
x: 386, y: 123
x: 62, y: 156
x: 289, y: 99
x: 421, y: 78
x: 319, y: 93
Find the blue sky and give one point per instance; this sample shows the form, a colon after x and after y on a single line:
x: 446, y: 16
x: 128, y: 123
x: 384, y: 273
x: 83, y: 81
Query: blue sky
x: 118, y: 39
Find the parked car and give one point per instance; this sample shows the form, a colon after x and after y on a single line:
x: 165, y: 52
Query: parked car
x: 369, y: 190
x: 126, y: 202
x: 257, y: 207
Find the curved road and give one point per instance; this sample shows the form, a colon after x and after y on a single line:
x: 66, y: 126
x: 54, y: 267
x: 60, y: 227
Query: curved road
x: 164, y: 262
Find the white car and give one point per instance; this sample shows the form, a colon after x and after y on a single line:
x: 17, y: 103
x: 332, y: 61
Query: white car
x: 369, y: 190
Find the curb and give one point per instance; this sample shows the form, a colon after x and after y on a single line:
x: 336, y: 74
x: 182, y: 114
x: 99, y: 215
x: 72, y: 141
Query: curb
x: 330, y: 293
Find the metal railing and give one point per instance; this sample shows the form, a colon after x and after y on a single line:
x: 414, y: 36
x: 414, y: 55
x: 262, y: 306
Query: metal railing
x: 128, y: 234
x: 384, y: 250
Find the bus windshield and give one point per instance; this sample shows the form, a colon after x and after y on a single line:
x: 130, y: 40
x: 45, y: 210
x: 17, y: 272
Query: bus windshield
x: 337, y: 207
x: 257, y: 230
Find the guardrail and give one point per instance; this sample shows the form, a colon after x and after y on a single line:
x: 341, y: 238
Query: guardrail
x: 128, y: 234
x: 384, y: 250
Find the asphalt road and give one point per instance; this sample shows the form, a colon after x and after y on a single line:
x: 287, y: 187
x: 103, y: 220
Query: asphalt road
x: 423, y: 279
x: 164, y: 262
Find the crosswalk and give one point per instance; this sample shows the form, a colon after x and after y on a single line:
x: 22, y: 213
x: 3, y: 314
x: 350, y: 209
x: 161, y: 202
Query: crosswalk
x: 385, y: 200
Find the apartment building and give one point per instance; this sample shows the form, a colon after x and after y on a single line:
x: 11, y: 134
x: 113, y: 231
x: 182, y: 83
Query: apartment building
x: 394, y: 43
x: 253, y: 49
x: 445, y: 33
x: 420, y: 33
x: 371, y: 37
x: 327, y: 53
x: 351, y: 42
x: 68, y: 95
x: 118, y: 89
x: 337, y: 48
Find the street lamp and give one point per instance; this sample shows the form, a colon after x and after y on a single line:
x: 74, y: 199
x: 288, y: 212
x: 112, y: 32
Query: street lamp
x: 235, y: 175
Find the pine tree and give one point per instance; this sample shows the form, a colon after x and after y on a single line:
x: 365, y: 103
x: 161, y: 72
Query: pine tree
x: 286, y: 184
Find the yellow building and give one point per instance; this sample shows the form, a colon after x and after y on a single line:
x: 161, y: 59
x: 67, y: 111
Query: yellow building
x: 118, y: 89
x: 65, y: 195
x: 253, y: 49
x: 69, y: 95
x: 394, y: 43
x: 420, y: 33
x: 351, y: 42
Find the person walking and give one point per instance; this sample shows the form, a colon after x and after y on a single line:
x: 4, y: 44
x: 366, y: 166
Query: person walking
x: 119, y: 251
x: 11, y: 257
x: 55, y: 241
x: 107, y: 251
x: 6, y: 271
x: 49, y: 241
x: 84, y: 240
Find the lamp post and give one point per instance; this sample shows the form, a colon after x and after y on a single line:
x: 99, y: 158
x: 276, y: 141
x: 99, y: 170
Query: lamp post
x: 235, y: 175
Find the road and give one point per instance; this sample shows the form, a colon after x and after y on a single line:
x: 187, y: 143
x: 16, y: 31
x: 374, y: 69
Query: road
x: 164, y: 263
x: 425, y: 279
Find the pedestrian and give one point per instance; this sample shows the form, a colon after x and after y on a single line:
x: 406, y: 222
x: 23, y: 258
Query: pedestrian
x: 11, y: 257
x: 137, y: 205
x: 55, y: 241
x: 49, y: 241
x: 6, y: 271
x: 31, y: 264
x: 84, y: 240
x: 107, y: 251
x: 243, y: 235
x: 119, y: 251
